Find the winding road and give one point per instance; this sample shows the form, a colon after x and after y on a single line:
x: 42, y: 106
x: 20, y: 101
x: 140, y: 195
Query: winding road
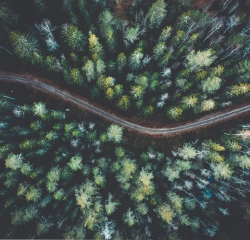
x: 34, y: 83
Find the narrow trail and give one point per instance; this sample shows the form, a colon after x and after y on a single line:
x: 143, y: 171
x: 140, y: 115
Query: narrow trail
x: 210, y: 120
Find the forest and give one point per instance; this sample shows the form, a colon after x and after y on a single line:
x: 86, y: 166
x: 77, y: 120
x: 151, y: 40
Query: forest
x: 67, y: 174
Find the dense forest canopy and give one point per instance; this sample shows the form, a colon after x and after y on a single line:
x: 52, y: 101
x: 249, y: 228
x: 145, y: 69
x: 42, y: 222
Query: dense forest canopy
x: 68, y: 177
x: 172, y: 59
x: 71, y: 180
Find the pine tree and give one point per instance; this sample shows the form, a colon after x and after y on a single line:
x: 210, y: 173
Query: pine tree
x: 165, y: 34
x: 174, y: 113
x: 189, y: 101
x: 199, y: 60
x: 75, y: 163
x: 157, y: 13
x: 24, y: 45
x: 110, y: 205
x: 124, y: 102
x: 137, y: 91
x: 221, y: 170
x: 106, y: 27
x: 131, y: 34
x: 95, y: 47
x: 207, y: 105
x: 166, y: 213
x: 43, y: 226
x: 115, y: 133
x: 187, y: 152
x: 129, y: 218
x: 109, y: 94
x: 100, y: 67
x: 236, y: 90
x: 76, y: 76
x: 211, y: 84
x: 135, y: 59
x: 159, y: 50
x: 89, y: 69
x: 33, y: 194
x: 14, y: 161
x: 75, y: 39
x: 121, y: 61
x: 39, y: 109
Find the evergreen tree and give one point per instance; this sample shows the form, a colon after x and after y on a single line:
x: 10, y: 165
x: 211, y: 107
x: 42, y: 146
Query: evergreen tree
x: 24, y: 45
x: 157, y: 13
x: 75, y: 39
x: 115, y: 133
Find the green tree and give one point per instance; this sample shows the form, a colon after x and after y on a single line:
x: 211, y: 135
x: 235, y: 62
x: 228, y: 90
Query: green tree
x: 187, y: 152
x: 159, y: 50
x: 33, y: 194
x: 148, y: 110
x: 77, y: 231
x: 24, y: 45
x: 109, y: 94
x: 197, y: 61
x: 131, y: 34
x: 75, y: 163
x: 89, y: 69
x: 118, y: 90
x: 135, y: 59
x: 27, y: 144
x: 221, y: 170
x: 236, y: 90
x: 165, y: 34
x: 166, y: 213
x: 157, y: 13
x: 142, y: 208
x: 178, y: 38
x: 174, y: 113
x: 75, y: 39
x: 100, y: 67
x: 54, y: 174
x: 115, y: 133
x: 124, y: 102
x: 14, y: 161
x: 243, y: 70
x: 107, y: 22
x: 95, y: 47
x: 121, y: 61
x: 39, y: 109
x: 242, y: 161
x: 119, y: 152
x: 110, y: 205
x: 137, y: 91
x: 43, y: 226
x: 189, y: 102
x: 129, y: 218
x: 145, y: 183
x: 207, y: 105
x: 50, y: 62
x: 76, y: 76
x: 211, y: 84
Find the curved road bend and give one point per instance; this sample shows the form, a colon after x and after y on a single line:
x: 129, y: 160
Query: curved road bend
x: 146, y: 130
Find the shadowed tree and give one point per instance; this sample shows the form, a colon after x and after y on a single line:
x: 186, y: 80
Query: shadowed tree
x: 24, y: 45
